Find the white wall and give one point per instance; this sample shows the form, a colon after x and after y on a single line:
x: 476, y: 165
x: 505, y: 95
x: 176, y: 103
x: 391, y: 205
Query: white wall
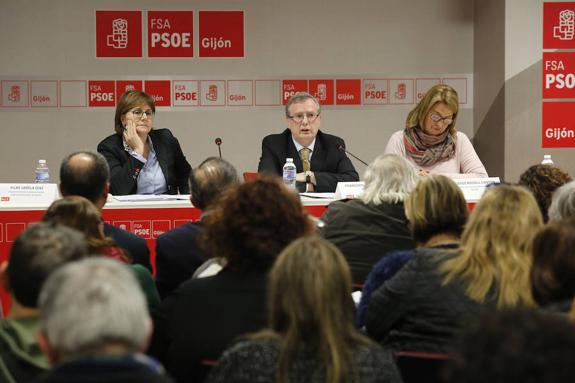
x: 337, y: 38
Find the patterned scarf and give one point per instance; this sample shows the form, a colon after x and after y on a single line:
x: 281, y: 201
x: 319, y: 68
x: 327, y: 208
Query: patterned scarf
x: 427, y: 150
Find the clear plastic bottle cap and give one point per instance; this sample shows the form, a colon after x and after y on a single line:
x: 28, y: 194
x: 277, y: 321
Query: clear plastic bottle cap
x: 289, y: 159
x: 41, y: 161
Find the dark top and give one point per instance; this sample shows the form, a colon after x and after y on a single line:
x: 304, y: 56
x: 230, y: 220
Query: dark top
x: 201, y: 318
x: 136, y: 247
x: 177, y: 256
x: 364, y: 233
x: 124, y: 168
x: 414, y: 311
x: 110, y: 369
x: 258, y: 360
x: 329, y: 164
x: 384, y: 270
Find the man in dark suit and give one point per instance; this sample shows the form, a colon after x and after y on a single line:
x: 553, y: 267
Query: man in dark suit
x: 320, y: 159
x: 177, y: 252
x: 87, y: 174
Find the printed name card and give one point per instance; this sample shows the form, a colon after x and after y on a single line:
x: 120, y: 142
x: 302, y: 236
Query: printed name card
x: 473, y: 188
x: 17, y: 195
x: 348, y: 190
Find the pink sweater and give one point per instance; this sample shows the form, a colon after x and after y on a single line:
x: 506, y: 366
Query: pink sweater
x: 465, y: 163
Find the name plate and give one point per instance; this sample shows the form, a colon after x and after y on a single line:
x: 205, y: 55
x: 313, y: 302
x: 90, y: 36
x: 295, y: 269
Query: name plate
x: 15, y: 195
x: 348, y: 190
x: 473, y: 188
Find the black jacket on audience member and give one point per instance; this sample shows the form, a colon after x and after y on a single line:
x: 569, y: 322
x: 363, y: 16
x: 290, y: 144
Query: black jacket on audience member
x: 201, y: 318
x: 177, y: 256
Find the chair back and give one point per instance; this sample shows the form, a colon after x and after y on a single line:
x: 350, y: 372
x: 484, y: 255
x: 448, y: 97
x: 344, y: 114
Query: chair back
x: 418, y: 367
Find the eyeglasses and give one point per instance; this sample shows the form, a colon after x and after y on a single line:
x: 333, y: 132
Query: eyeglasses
x: 436, y: 117
x: 311, y: 117
x: 139, y: 113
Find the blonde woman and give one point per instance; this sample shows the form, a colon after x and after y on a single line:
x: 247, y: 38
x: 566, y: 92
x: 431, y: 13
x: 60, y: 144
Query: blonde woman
x: 431, y: 297
x: 311, y: 337
x: 430, y: 140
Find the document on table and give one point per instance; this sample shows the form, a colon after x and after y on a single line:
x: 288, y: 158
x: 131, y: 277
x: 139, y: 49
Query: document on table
x: 151, y: 197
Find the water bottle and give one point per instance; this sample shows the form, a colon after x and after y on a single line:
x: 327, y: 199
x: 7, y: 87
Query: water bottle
x: 289, y: 172
x: 42, y: 172
x: 547, y: 160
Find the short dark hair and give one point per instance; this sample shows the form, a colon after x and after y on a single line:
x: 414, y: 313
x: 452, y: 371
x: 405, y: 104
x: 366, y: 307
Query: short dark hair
x: 514, y: 346
x: 210, y: 179
x: 36, y: 253
x: 129, y: 100
x: 542, y: 181
x: 553, y: 270
x: 252, y: 222
x: 85, y: 181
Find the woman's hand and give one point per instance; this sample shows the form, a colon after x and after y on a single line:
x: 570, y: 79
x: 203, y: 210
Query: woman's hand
x: 132, y: 138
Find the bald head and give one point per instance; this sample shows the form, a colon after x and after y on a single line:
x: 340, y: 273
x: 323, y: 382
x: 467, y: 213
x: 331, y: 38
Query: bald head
x: 85, y: 174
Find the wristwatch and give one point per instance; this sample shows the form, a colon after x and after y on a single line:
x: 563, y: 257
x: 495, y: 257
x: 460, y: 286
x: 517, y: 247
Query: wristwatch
x: 308, y: 177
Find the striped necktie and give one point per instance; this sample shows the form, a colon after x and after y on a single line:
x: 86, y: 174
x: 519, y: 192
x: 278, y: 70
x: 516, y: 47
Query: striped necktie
x: 304, y: 155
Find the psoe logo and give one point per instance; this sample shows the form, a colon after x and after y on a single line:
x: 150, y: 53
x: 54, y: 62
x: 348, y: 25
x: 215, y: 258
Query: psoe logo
x: 119, y: 37
x: 5, y: 198
x: 566, y: 28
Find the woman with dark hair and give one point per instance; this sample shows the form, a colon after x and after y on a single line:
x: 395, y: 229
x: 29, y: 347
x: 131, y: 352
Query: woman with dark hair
x: 437, y: 211
x: 143, y: 160
x: 248, y: 226
x: 542, y: 181
x: 553, y: 270
x: 310, y: 335
x: 429, y: 300
x: 81, y: 214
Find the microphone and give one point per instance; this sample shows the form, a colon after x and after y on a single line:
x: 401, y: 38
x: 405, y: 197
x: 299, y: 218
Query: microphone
x: 218, y: 142
x: 341, y: 147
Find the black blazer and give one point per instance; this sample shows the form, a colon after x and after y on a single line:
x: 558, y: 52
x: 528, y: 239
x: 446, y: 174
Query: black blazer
x: 177, y: 256
x: 329, y: 164
x: 124, y: 168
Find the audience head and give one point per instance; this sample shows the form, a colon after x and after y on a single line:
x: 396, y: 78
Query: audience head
x: 130, y: 100
x: 514, y: 346
x: 438, y: 94
x: 78, y: 213
x: 496, y: 247
x: 435, y: 206
x: 253, y: 222
x: 563, y: 202
x: 93, y: 306
x: 310, y: 301
x: 553, y: 271
x: 543, y: 180
x: 85, y: 174
x: 389, y: 178
x: 210, y: 179
x: 35, y: 254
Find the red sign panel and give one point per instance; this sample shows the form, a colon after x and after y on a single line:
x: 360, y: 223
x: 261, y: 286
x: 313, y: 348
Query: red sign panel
x: 559, y: 25
x: 322, y: 90
x: 118, y: 34
x: 124, y: 86
x: 291, y: 87
x: 221, y: 34
x: 559, y: 75
x: 558, y: 125
x: 101, y: 93
x: 170, y: 34
x: 348, y: 92
x: 159, y: 90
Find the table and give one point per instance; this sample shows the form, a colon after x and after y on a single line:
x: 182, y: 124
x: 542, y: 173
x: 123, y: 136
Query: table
x: 147, y: 219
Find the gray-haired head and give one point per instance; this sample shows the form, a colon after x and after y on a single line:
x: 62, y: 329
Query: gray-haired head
x: 301, y: 97
x: 389, y: 178
x: 563, y: 202
x: 89, y: 305
x: 212, y: 177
